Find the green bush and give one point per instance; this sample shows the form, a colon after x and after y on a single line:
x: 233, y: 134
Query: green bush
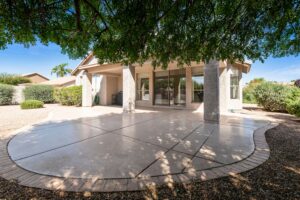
x: 13, y: 79
x: 293, y: 101
x: 248, y: 96
x: 6, y: 94
x: 42, y: 93
x: 69, y: 95
x: 271, y: 96
x: 32, y: 104
x: 248, y: 91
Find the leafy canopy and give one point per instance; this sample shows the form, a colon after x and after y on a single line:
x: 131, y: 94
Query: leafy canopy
x: 135, y: 30
x: 61, y: 70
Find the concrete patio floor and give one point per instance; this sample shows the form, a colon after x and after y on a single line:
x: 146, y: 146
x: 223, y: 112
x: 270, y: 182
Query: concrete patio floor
x: 125, y: 146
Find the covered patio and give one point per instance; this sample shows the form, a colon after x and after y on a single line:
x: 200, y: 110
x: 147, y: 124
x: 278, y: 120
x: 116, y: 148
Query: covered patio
x: 213, y: 88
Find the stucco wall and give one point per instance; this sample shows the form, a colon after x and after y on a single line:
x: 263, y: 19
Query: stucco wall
x: 111, y: 88
x: 18, y: 94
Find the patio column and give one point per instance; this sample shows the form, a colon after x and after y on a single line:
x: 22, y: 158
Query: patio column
x: 224, y: 89
x: 211, y: 91
x: 128, y: 88
x: 87, y: 99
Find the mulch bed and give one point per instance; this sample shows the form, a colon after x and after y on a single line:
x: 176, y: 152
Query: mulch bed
x: 277, y: 178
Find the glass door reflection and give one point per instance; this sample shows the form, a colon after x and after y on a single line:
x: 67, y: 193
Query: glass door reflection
x: 170, y: 87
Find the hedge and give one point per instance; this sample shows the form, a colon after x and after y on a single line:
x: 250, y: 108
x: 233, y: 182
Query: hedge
x: 271, y: 96
x: 293, y: 101
x: 12, y: 79
x: 32, y: 104
x: 6, y: 94
x: 248, y: 90
x: 69, y: 95
x: 42, y: 93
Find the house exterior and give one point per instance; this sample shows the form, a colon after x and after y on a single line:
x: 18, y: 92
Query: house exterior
x: 214, y: 87
x: 65, y: 81
x: 35, y: 77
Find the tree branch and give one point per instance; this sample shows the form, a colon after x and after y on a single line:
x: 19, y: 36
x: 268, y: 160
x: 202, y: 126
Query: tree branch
x: 97, y: 13
x: 77, y: 9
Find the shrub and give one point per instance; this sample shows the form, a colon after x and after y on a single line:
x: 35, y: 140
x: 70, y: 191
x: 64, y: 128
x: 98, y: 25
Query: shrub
x: 297, y: 83
x: 293, y: 101
x: 32, y: 104
x: 13, y: 79
x: 69, y: 95
x: 42, y: 93
x: 6, y: 94
x: 294, y: 108
x: 271, y: 96
x: 248, y: 96
x: 248, y: 91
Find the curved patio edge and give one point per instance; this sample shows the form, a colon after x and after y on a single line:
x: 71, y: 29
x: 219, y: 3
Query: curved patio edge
x: 11, y: 171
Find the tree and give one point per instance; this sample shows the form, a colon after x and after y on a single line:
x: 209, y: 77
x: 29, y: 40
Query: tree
x: 132, y: 31
x: 61, y: 70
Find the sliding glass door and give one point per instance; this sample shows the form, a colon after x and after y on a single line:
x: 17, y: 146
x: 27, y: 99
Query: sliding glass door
x: 169, y: 88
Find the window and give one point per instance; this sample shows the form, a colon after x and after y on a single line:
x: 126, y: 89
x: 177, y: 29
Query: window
x: 234, y: 84
x: 143, y: 87
x: 197, y: 85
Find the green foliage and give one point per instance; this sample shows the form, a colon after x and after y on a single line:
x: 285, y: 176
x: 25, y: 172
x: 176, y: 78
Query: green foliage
x: 61, y: 70
x: 32, y: 104
x: 134, y: 31
x: 297, y: 83
x: 248, y: 91
x: 69, y: 95
x: 12, y: 79
x: 294, y: 108
x: 271, y: 96
x: 42, y: 93
x: 293, y: 101
x: 6, y: 94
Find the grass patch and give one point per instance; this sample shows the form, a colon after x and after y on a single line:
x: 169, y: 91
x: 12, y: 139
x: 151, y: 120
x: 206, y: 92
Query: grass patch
x: 32, y: 104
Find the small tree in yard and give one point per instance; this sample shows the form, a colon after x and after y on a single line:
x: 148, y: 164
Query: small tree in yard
x: 61, y: 70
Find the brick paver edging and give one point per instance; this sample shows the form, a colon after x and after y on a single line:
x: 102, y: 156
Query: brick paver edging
x: 11, y: 171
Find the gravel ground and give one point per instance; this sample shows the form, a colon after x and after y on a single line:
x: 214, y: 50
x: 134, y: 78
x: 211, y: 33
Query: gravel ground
x: 277, y: 178
x: 13, y: 117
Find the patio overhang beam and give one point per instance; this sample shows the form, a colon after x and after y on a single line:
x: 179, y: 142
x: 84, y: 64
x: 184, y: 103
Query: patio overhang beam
x: 97, y: 68
x: 245, y: 67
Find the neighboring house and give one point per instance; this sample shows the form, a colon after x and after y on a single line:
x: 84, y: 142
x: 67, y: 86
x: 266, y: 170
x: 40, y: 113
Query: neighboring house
x: 61, y: 82
x: 174, y: 87
x: 35, y: 77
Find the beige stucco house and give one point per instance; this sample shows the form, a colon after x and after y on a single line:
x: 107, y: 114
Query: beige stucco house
x: 214, y: 87
x: 35, y: 77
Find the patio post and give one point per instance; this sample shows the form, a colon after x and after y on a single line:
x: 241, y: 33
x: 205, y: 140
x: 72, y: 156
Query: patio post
x: 128, y: 88
x: 211, y: 91
x: 87, y: 99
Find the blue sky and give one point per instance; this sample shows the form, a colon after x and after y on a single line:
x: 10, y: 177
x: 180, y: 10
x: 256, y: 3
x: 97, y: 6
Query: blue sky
x: 40, y: 58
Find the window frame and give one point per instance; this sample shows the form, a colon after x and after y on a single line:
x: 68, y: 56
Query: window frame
x: 235, y: 77
x: 139, y: 91
x: 197, y: 90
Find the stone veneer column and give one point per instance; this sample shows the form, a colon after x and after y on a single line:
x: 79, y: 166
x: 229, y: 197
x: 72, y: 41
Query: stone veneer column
x: 128, y: 88
x: 188, y: 85
x: 211, y: 91
x: 87, y: 99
